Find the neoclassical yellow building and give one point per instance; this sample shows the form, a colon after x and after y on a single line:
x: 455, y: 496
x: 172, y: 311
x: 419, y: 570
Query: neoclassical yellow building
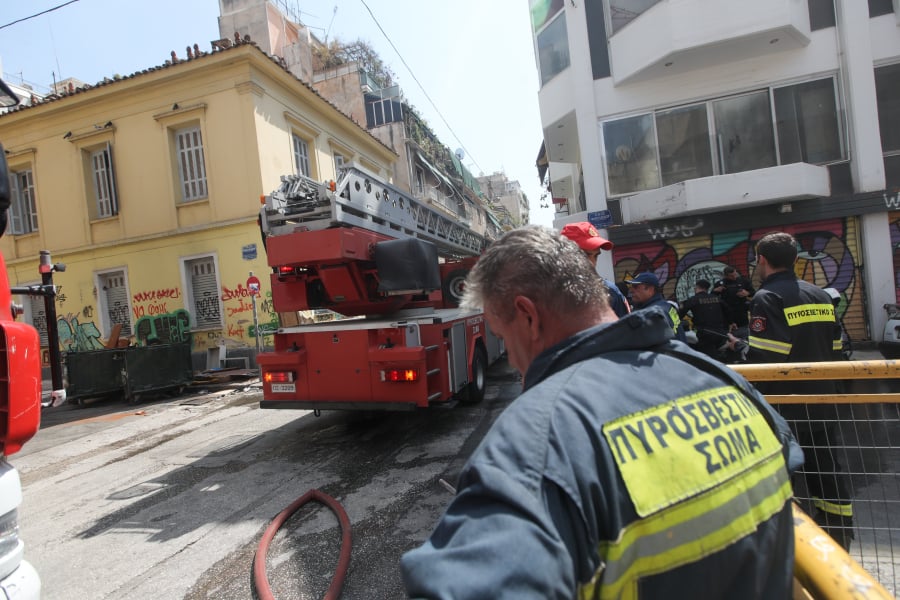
x: 147, y: 187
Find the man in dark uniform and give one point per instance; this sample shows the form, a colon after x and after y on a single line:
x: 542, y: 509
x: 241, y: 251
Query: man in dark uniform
x: 646, y: 291
x: 792, y: 320
x: 736, y: 291
x: 708, y: 317
x: 597, y: 481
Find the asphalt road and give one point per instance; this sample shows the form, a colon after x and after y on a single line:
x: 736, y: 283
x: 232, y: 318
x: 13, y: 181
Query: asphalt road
x: 169, y: 498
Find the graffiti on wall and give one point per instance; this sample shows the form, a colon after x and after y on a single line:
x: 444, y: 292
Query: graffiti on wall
x: 153, y: 302
x: 895, y: 248
x: 75, y: 336
x: 824, y: 258
x: 168, y: 328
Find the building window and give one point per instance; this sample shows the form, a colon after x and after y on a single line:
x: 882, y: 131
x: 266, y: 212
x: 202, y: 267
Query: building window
x: 887, y: 92
x: 684, y: 151
x: 104, y: 182
x: 420, y: 181
x: 630, y: 146
x: 301, y: 155
x: 673, y: 145
x: 339, y: 162
x: 115, y: 306
x: 807, y: 123
x: 191, y: 165
x: 821, y: 14
x: 383, y: 107
x: 623, y: 12
x: 553, y: 48
x: 22, y: 209
x: 35, y: 313
x: 744, y: 132
x: 880, y: 7
x: 203, y: 299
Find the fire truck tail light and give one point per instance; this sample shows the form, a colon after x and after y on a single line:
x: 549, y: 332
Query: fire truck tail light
x: 278, y: 376
x: 400, y: 375
x: 285, y: 270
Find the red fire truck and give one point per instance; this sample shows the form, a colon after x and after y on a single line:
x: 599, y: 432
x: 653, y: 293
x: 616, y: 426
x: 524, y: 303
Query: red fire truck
x: 393, y: 267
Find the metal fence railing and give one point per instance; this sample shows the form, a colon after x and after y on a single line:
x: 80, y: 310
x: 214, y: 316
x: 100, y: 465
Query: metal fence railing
x: 863, y: 433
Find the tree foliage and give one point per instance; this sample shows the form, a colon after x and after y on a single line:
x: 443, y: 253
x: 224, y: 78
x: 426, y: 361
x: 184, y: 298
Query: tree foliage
x: 336, y: 53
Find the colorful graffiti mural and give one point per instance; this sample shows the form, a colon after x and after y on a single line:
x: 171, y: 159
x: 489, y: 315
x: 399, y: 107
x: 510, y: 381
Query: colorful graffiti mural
x: 826, y: 258
x: 75, y: 336
x: 169, y: 328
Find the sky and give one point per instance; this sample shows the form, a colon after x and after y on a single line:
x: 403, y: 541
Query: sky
x: 467, y: 66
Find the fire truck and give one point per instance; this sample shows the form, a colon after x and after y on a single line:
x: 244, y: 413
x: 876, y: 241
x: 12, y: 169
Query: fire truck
x: 393, y: 267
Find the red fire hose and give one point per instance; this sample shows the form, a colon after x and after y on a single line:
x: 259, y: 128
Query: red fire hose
x: 261, y: 581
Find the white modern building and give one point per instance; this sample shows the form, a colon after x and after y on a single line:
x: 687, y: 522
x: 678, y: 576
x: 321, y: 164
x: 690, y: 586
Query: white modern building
x: 690, y: 128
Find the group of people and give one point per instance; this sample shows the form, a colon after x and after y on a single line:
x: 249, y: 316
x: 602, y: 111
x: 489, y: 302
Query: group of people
x: 598, y: 482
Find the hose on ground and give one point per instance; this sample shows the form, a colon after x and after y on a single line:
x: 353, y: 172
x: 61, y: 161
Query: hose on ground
x: 261, y: 580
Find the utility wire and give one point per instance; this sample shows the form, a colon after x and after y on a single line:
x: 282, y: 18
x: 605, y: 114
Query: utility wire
x: 44, y: 12
x: 421, y: 87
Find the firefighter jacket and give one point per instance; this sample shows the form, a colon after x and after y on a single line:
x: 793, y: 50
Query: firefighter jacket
x: 610, y: 477
x: 792, y: 320
x: 671, y: 313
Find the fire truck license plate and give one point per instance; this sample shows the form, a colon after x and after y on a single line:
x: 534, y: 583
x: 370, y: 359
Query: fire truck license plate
x: 284, y: 387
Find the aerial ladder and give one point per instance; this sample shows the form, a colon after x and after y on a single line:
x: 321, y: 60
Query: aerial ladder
x: 394, y: 268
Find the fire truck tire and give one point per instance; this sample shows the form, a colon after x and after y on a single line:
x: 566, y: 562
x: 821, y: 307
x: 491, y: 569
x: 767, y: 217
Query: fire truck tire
x: 474, y: 390
x: 453, y: 286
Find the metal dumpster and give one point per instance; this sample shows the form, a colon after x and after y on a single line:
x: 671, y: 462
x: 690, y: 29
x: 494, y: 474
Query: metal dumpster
x: 131, y: 372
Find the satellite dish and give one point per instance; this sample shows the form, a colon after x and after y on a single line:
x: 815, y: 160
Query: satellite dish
x: 459, y: 154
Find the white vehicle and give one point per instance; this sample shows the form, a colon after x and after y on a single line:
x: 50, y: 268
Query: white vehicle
x: 20, y: 413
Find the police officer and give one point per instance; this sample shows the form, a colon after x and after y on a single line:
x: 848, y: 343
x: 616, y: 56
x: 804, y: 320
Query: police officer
x: 792, y: 320
x: 646, y: 291
x: 597, y: 481
x: 736, y: 291
x: 709, y: 318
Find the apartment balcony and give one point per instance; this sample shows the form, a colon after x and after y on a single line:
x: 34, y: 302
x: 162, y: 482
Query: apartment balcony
x: 676, y: 36
x: 786, y: 183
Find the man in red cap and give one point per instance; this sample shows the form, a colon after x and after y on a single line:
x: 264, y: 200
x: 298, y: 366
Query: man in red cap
x: 592, y: 243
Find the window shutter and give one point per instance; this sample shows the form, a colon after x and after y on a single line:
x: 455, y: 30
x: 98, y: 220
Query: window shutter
x: 301, y: 155
x: 205, y: 293
x: 29, y: 205
x: 100, y: 166
x: 117, y: 306
x: 191, y: 167
x: 15, y: 207
x: 38, y: 317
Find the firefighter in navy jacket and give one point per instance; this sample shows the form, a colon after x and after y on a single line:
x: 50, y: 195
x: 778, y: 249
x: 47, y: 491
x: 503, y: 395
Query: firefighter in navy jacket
x: 646, y: 291
x: 792, y: 320
x: 598, y: 481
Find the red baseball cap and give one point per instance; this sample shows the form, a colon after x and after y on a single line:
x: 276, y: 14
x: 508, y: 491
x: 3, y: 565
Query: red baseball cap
x: 586, y: 237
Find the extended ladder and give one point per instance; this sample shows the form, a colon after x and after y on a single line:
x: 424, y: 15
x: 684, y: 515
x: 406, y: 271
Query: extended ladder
x: 363, y: 200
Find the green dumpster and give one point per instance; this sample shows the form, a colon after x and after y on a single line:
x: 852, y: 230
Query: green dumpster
x: 131, y: 372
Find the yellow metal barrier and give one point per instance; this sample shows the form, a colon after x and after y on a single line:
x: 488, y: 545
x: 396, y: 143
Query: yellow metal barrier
x: 867, y: 419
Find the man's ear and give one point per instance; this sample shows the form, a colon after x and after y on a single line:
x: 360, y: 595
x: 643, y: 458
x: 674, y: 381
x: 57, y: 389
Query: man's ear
x: 528, y: 310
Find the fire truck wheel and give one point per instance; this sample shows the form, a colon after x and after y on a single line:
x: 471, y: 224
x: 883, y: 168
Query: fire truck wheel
x: 474, y: 391
x: 453, y: 286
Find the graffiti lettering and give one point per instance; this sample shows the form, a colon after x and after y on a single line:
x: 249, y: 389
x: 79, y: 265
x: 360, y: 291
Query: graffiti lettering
x: 242, y: 307
x: 77, y: 337
x: 169, y: 328
x: 160, y: 294
x: 153, y: 309
x: 207, y: 308
x: 87, y: 312
x: 234, y: 332
x: 668, y: 232
x: 239, y: 292
x: 892, y: 202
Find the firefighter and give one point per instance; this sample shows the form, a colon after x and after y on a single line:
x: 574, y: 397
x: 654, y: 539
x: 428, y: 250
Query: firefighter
x: 736, y: 291
x: 598, y: 481
x: 646, y: 291
x: 792, y: 320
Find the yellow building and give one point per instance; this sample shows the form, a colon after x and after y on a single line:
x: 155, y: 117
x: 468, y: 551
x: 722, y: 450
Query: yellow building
x: 147, y: 187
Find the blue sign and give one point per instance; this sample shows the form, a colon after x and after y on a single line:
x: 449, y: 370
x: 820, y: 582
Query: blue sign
x: 600, y: 219
x: 248, y: 252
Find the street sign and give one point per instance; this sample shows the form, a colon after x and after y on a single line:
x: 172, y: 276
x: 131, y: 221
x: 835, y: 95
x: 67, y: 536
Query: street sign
x: 600, y: 219
x: 253, y: 284
x: 248, y: 252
